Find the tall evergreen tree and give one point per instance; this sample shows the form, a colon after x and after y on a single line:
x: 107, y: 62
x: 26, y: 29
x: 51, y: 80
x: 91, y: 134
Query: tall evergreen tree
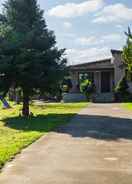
x: 29, y: 57
x: 127, y: 52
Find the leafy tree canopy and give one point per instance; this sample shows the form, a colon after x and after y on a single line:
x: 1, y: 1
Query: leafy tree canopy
x: 29, y: 57
x: 127, y: 51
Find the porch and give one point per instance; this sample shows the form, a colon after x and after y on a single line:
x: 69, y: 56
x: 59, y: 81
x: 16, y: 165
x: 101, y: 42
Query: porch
x: 102, y: 79
x: 101, y: 73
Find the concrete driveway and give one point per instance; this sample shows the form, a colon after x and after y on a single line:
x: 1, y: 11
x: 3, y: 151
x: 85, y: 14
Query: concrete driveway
x: 95, y: 148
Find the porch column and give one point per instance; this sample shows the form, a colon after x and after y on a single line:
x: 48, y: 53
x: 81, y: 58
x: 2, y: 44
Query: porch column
x: 97, y: 81
x: 112, y: 81
x: 75, y: 81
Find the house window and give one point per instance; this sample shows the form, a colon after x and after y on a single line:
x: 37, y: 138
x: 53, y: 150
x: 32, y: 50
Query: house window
x: 88, y: 75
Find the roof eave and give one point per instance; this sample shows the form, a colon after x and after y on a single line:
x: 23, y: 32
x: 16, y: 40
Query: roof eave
x: 83, y: 64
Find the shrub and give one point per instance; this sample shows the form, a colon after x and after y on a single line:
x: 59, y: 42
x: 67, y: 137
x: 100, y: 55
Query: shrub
x: 121, y: 91
x: 66, y: 85
x: 87, y: 87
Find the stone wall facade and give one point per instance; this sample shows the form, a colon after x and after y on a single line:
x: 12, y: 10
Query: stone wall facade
x: 119, y: 69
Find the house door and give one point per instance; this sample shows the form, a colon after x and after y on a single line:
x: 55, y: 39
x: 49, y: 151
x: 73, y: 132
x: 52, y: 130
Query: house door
x: 105, y: 82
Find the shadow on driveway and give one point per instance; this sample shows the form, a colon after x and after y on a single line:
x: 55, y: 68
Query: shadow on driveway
x: 82, y: 126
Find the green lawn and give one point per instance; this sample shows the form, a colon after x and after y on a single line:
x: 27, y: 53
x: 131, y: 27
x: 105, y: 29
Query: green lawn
x: 128, y: 105
x: 18, y: 132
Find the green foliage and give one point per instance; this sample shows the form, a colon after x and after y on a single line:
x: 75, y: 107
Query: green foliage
x: 122, y: 86
x: 66, y: 85
x: 127, y: 52
x: 87, y: 87
x: 128, y: 106
x: 18, y: 132
x: 121, y: 91
x: 29, y: 57
x: 84, y: 84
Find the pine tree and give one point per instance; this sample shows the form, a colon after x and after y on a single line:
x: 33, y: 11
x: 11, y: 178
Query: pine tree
x: 29, y: 57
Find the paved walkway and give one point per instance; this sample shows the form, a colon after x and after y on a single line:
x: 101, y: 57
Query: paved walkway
x: 95, y: 148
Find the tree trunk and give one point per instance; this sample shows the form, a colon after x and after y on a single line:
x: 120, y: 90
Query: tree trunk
x: 25, y: 110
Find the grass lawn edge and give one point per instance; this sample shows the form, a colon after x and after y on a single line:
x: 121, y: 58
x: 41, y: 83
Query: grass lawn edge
x: 127, y: 106
x: 37, y: 137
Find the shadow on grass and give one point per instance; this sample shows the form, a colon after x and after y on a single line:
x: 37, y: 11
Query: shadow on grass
x: 82, y: 126
x: 41, y: 123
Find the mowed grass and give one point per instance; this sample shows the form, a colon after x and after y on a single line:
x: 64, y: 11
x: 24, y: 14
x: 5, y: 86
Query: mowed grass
x: 128, y: 105
x: 17, y: 132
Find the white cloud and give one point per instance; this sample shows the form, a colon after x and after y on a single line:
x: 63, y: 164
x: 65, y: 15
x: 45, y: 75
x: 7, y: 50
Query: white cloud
x: 111, y: 38
x: 66, y: 35
x: 119, y: 26
x: 94, y: 40
x: 91, y: 40
x: 114, y: 13
x: 69, y: 10
x: 76, y: 56
x: 67, y: 25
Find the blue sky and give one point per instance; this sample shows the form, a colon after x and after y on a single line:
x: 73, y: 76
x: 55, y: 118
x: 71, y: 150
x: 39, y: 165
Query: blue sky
x: 88, y: 29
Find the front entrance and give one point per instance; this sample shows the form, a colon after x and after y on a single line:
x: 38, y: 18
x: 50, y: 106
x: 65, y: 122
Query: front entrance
x: 105, y: 82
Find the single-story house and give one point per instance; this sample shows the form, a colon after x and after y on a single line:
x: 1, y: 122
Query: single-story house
x: 104, y: 73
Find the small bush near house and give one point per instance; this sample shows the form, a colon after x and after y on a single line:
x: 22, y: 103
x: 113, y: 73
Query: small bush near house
x: 87, y: 87
x: 66, y: 85
x: 121, y: 91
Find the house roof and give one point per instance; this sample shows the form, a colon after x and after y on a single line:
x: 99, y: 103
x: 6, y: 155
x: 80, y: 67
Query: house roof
x: 107, y: 60
x: 105, y: 64
x: 89, y: 63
